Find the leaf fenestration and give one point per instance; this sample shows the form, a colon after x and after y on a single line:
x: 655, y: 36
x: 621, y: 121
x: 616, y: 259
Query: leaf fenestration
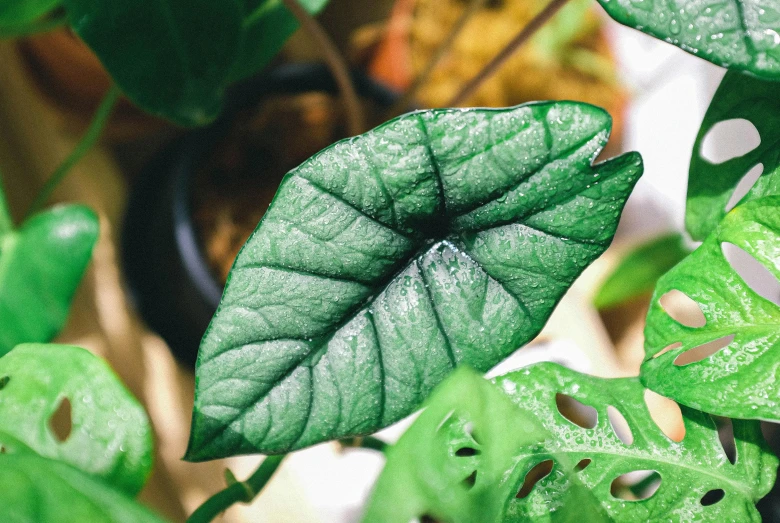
x: 441, y: 238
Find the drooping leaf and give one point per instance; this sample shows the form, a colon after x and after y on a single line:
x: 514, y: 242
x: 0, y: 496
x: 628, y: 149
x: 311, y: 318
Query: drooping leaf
x: 41, y: 265
x: 738, y: 34
x: 739, y: 380
x: 266, y: 27
x: 36, y: 489
x: 710, y: 186
x: 170, y: 57
x: 638, y: 271
x: 19, y: 12
x: 441, y: 238
x: 107, y: 433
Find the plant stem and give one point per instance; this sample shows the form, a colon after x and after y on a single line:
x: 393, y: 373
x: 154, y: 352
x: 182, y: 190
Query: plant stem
x: 438, y: 56
x: 243, y: 491
x: 494, y: 65
x: 336, y: 63
x: 365, y: 442
x: 6, y: 222
x: 39, y: 26
x: 85, y: 144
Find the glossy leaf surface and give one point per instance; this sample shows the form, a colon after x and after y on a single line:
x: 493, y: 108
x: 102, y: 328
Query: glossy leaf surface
x: 710, y: 186
x: 41, y: 265
x: 440, y: 238
x: 18, y: 12
x: 585, y: 457
x: 170, y: 57
x: 36, y: 489
x: 638, y: 271
x: 739, y: 380
x: 108, y: 434
x: 738, y: 34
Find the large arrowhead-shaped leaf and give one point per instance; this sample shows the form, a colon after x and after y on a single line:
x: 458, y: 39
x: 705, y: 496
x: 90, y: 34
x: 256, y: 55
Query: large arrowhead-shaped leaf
x: 740, y: 380
x: 710, y: 186
x: 440, y: 238
x: 738, y: 34
x: 41, y: 265
x: 588, y: 459
x: 171, y: 57
x: 109, y: 433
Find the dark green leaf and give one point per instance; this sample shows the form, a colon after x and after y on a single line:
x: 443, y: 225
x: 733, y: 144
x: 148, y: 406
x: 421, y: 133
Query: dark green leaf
x: 171, y: 57
x: 41, y: 265
x: 109, y: 434
x: 740, y: 380
x: 18, y: 12
x: 266, y: 27
x: 35, y: 489
x: 638, y: 271
x: 441, y: 238
x: 738, y: 34
x: 710, y: 186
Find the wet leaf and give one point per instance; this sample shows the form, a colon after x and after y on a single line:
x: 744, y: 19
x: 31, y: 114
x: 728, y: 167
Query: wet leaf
x: 441, y: 238
x: 19, y: 12
x: 740, y: 380
x: 41, y: 265
x: 738, y: 34
x: 109, y: 433
x: 710, y: 186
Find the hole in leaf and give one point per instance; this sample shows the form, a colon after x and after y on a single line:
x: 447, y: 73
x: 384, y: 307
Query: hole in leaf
x: 425, y: 518
x: 471, y: 480
x: 745, y: 184
x: 636, y: 485
x: 4, y: 381
x: 712, y: 497
x: 729, y: 139
x: 666, y: 349
x: 752, y: 272
x: 61, y: 422
x: 620, y: 425
x: 582, y: 464
x: 577, y: 412
x: 726, y: 437
x: 703, y: 351
x: 682, y: 309
x: 534, y: 476
x: 666, y: 414
x: 466, y: 451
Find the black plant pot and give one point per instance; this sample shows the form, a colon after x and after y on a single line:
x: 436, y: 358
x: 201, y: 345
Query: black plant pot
x: 169, y: 279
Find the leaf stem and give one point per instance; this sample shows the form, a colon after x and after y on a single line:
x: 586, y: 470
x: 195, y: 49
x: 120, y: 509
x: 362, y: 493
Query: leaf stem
x: 365, y: 442
x: 494, y: 65
x: 39, y: 26
x: 336, y: 63
x: 85, y: 144
x: 6, y: 222
x: 242, y: 491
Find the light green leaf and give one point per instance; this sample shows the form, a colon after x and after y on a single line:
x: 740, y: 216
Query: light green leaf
x: 19, y: 12
x: 740, y: 380
x: 710, y: 186
x: 638, y: 271
x: 441, y: 238
x: 110, y: 435
x: 41, y: 265
x: 35, y: 489
x: 738, y: 34
x: 170, y: 57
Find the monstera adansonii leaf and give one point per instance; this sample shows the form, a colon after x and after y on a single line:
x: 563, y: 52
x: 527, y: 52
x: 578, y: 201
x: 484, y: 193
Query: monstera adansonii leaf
x: 20, y: 12
x: 41, y: 266
x: 469, y: 460
x: 440, y: 238
x: 738, y: 34
x: 710, y: 185
x: 740, y: 379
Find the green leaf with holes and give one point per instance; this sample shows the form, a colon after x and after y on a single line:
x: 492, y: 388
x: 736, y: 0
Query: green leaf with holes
x: 738, y: 34
x: 33, y: 488
x: 573, y: 469
x: 41, y: 266
x: 711, y: 186
x: 740, y: 380
x: 14, y: 13
x: 441, y: 238
x: 100, y: 429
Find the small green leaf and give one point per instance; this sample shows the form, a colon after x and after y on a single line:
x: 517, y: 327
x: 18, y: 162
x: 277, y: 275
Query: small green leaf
x: 36, y: 489
x: 739, y: 380
x: 266, y: 27
x: 441, y: 238
x: 710, y: 186
x: 638, y: 271
x: 19, y: 12
x: 738, y: 34
x: 41, y: 265
x: 170, y: 57
x: 109, y: 432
